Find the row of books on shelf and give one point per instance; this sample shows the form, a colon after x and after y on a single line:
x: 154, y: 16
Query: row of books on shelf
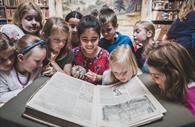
x: 9, y: 3
x: 9, y: 13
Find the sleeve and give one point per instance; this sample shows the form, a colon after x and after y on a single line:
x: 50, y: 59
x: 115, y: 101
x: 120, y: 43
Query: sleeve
x: 70, y: 56
x: 172, y: 31
x: 3, y: 86
x: 191, y: 99
x: 106, y: 77
x: 5, y: 93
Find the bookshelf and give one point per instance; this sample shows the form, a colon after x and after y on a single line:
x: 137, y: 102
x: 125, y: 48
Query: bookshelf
x: 165, y: 11
x: 8, y: 8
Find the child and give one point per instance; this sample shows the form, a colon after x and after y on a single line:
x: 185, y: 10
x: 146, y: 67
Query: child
x: 7, y: 53
x: 56, y: 33
x: 28, y: 17
x: 173, y: 69
x: 143, y: 35
x: 111, y: 39
x: 123, y: 66
x: 12, y: 31
x: 89, y: 55
x: 30, y: 54
x: 183, y: 28
x: 73, y: 18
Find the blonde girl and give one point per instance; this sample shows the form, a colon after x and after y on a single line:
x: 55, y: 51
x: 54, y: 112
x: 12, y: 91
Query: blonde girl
x: 28, y: 17
x: 123, y: 66
x: 30, y: 53
x: 56, y: 34
x: 143, y: 34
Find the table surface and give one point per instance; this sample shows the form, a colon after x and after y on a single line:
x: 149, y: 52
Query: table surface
x: 11, y: 112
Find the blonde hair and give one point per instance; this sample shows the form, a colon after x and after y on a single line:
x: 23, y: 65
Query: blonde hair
x: 148, y: 26
x: 25, y: 41
x: 124, y: 56
x: 187, y: 6
x: 23, y: 8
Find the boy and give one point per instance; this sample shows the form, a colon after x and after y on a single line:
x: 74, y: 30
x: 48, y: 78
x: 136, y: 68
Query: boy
x: 111, y: 39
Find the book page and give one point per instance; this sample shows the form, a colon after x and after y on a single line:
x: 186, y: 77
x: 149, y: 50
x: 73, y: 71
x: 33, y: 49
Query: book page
x: 67, y: 98
x: 127, y: 105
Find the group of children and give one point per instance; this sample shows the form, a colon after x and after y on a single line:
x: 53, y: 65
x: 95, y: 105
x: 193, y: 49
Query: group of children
x: 74, y: 46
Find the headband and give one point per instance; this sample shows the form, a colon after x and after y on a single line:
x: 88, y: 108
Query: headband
x: 28, y: 48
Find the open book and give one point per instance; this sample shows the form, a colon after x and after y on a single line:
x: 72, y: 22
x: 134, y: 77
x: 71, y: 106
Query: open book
x: 66, y: 101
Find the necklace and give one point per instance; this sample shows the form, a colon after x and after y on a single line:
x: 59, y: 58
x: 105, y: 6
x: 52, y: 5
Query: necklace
x: 23, y: 83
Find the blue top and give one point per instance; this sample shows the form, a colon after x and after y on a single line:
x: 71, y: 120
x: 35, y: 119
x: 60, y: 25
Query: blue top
x: 182, y: 30
x: 119, y: 39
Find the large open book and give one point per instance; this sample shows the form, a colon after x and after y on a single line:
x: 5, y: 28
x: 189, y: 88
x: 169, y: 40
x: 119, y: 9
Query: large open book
x: 66, y: 101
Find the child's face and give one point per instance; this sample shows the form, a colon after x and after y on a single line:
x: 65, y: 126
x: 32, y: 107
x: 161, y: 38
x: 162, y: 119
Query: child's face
x: 158, y: 77
x: 121, y: 72
x: 31, y: 22
x: 139, y: 34
x: 35, y: 61
x: 89, y: 41
x: 108, y: 31
x: 7, y: 58
x: 58, y: 39
x: 73, y: 22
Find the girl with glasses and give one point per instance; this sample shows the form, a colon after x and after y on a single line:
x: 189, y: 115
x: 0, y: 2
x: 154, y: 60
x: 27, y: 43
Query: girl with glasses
x: 56, y: 33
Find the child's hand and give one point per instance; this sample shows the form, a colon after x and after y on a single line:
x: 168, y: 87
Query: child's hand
x: 53, y: 56
x: 91, y: 76
x: 48, y: 71
x: 78, y: 72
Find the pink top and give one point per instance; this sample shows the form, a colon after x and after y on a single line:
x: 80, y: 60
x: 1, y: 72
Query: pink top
x: 190, y: 98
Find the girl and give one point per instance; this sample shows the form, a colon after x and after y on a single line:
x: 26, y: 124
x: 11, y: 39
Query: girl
x: 183, y: 28
x: 73, y: 18
x: 7, y: 53
x: 28, y: 17
x: 123, y: 66
x: 143, y: 35
x: 173, y: 69
x: 30, y: 54
x: 56, y: 33
x: 89, y: 55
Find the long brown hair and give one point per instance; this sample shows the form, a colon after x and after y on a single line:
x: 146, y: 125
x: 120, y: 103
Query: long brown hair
x: 174, y: 61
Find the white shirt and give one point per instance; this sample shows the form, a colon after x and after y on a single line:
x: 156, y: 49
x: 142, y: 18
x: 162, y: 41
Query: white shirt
x: 10, y: 85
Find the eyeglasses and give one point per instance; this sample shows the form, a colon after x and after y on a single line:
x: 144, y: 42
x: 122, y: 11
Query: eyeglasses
x: 58, y: 40
x: 85, y: 40
x: 28, y: 48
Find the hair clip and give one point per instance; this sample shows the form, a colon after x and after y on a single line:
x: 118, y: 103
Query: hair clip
x: 28, y: 48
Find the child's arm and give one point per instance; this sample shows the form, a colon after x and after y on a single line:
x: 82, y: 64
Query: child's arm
x: 5, y: 93
x: 93, y: 76
x: 67, y: 68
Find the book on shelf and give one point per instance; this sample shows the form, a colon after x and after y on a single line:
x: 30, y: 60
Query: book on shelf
x: 67, y: 101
